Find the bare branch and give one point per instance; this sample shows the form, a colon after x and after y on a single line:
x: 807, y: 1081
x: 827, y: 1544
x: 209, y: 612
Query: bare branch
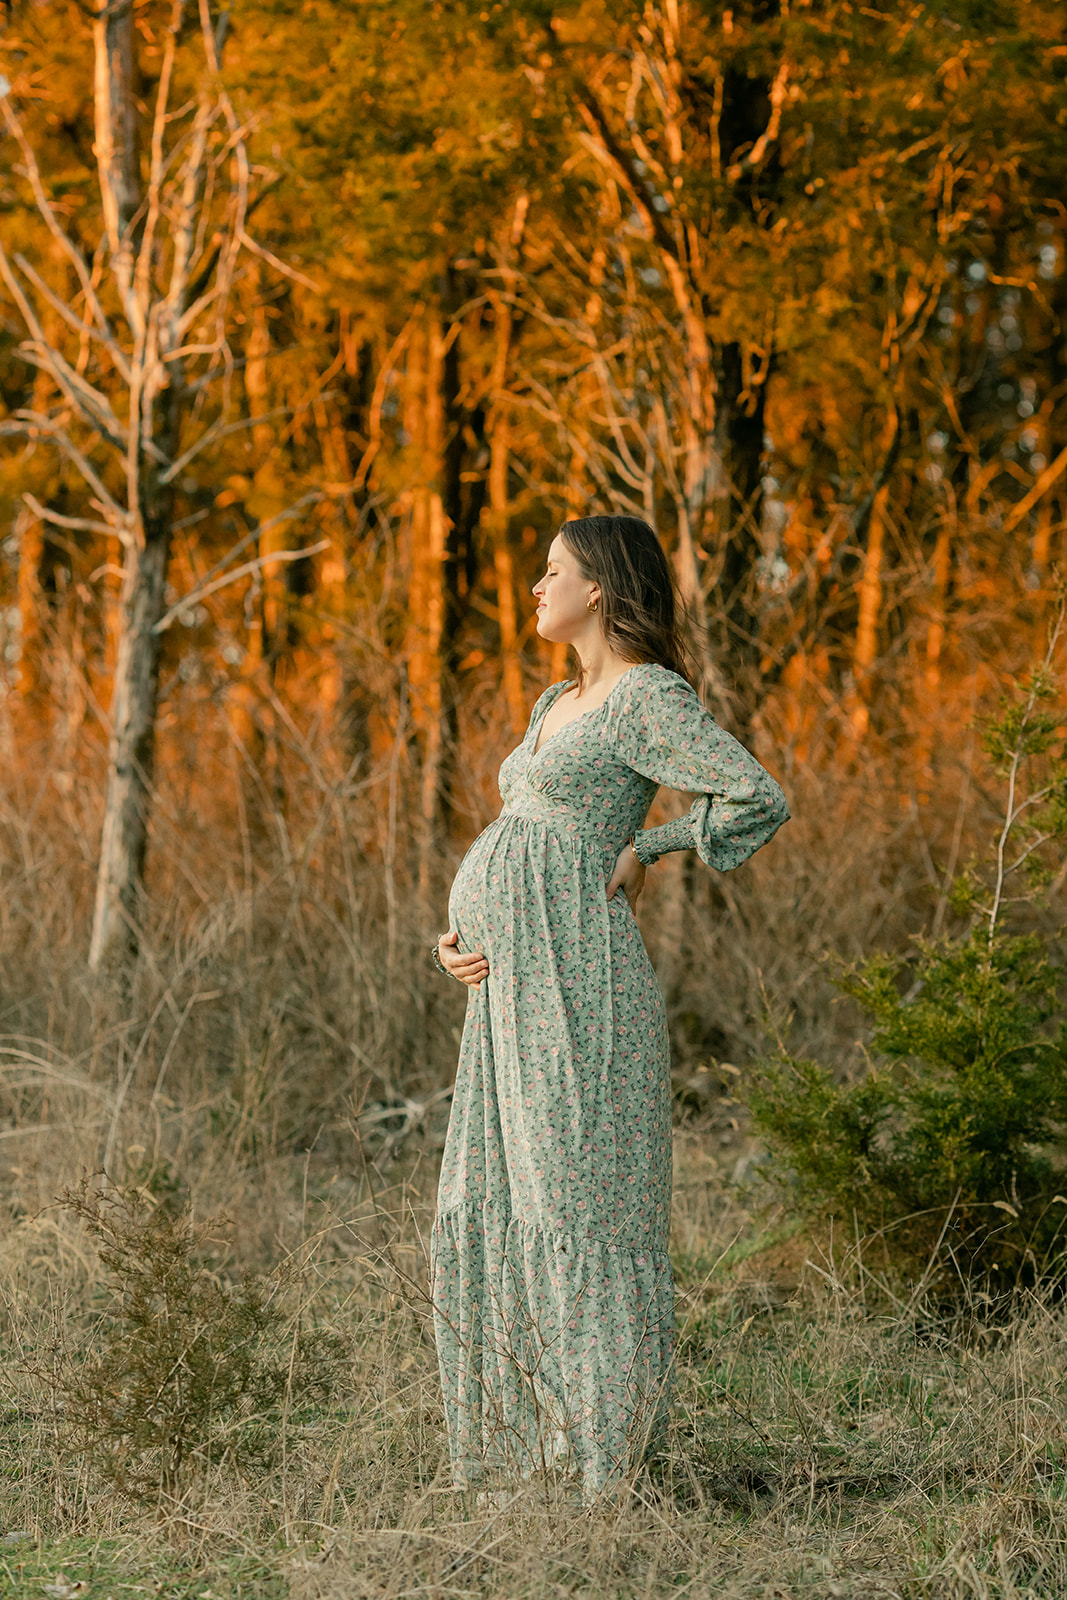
x: 34, y: 423
x: 183, y: 229
x: 200, y: 304
x: 312, y: 498
x: 184, y: 351
x: 79, y: 524
x: 94, y: 407
x: 58, y: 233
x: 218, y: 430
x: 157, y: 165
x: 1034, y: 799
x: 1035, y: 845
x: 232, y: 577
x: 276, y: 262
x: 1018, y: 756
x: 1042, y: 486
x: 70, y: 317
x: 232, y: 246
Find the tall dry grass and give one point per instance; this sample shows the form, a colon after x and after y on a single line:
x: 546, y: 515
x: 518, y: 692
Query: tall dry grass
x: 818, y: 1446
x: 284, y: 1061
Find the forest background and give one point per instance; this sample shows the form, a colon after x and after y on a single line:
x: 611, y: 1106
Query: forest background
x: 315, y: 322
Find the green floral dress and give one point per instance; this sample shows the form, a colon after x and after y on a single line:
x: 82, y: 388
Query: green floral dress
x: 553, y: 1296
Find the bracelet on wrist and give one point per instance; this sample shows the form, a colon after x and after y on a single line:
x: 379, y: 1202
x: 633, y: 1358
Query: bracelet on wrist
x: 632, y: 842
x: 436, y: 958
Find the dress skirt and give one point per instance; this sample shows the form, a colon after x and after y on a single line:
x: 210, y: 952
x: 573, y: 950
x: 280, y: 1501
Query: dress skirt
x: 553, y: 1295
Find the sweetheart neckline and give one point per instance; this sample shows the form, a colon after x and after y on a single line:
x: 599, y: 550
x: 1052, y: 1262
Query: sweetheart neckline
x: 537, y: 748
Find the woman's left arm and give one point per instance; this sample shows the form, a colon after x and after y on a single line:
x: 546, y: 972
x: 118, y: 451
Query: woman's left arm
x: 666, y: 734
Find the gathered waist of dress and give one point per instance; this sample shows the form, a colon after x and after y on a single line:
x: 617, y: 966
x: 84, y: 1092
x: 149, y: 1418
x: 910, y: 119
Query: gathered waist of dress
x: 570, y: 821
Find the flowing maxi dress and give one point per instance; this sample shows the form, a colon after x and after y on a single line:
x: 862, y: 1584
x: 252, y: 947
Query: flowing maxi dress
x: 552, y: 1287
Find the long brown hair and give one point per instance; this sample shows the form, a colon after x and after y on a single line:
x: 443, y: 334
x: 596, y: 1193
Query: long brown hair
x: 640, y: 610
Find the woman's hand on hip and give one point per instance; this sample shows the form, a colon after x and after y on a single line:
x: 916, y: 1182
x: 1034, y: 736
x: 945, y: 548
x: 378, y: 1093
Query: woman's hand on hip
x: 629, y: 876
x: 470, y: 967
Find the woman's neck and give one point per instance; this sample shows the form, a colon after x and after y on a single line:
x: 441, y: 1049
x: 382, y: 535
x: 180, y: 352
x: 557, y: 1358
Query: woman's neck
x: 599, y: 670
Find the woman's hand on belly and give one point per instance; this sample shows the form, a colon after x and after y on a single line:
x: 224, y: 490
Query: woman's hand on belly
x: 470, y: 967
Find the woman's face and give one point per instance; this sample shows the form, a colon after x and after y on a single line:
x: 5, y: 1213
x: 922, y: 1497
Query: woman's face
x: 563, y: 597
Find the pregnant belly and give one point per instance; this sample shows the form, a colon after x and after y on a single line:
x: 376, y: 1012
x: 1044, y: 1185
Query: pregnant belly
x: 474, y: 902
x: 521, y: 880
x: 502, y: 881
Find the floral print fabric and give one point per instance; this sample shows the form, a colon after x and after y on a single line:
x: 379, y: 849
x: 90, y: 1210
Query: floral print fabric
x: 552, y: 1288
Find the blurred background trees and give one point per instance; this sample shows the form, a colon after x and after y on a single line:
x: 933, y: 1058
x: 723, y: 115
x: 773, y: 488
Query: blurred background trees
x: 787, y: 280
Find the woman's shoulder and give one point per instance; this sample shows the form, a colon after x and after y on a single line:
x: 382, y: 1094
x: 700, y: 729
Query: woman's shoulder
x: 652, y: 696
x: 556, y: 688
x: 651, y: 680
x: 546, y: 697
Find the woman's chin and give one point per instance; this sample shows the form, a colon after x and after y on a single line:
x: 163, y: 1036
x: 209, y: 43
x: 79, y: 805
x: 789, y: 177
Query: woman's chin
x: 550, y: 634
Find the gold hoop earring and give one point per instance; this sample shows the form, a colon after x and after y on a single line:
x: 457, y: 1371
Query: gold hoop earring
x: 592, y: 605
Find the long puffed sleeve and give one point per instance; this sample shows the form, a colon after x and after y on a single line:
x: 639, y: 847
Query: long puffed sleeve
x: 666, y: 734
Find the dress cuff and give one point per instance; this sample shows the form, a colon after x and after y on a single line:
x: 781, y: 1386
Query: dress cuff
x: 644, y: 851
x: 652, y: 843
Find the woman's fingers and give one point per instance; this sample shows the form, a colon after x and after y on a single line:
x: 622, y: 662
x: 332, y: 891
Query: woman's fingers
x: 473, y: 975
x: 460, y: 960
x: 618, y: 878
x: 629, y: 875
x: 452, y: 958
x: 469, y: 966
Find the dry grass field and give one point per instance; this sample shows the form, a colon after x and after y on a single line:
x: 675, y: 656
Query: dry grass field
x: 281, y: 1067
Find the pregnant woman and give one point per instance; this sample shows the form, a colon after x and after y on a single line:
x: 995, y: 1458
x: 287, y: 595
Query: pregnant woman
x: 552, y: 1288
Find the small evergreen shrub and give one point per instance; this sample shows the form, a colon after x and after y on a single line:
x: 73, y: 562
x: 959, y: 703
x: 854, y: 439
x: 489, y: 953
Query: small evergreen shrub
x: 183, y: 1369
x: 952, y: 1147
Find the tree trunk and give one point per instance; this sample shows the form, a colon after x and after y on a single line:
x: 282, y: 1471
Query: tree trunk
x: 136, y: 677
x: 30, y: 532
x: 577, y: 490
x: 496, y: 514
x: 134, y: 698
x: 935, y: 632
x: 34, y: 556
x: 268, y: 490
x: 1050, y: 441
x: 115, y: 112
x: 251, y: 718
x: 505, y: 576
x: 461, y: 510
x: 870, y: 612
x: 739, y: 425
x: 459, y: 526
x: 424, y: 423
x: 330, y: 565
x: 929, y: 691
